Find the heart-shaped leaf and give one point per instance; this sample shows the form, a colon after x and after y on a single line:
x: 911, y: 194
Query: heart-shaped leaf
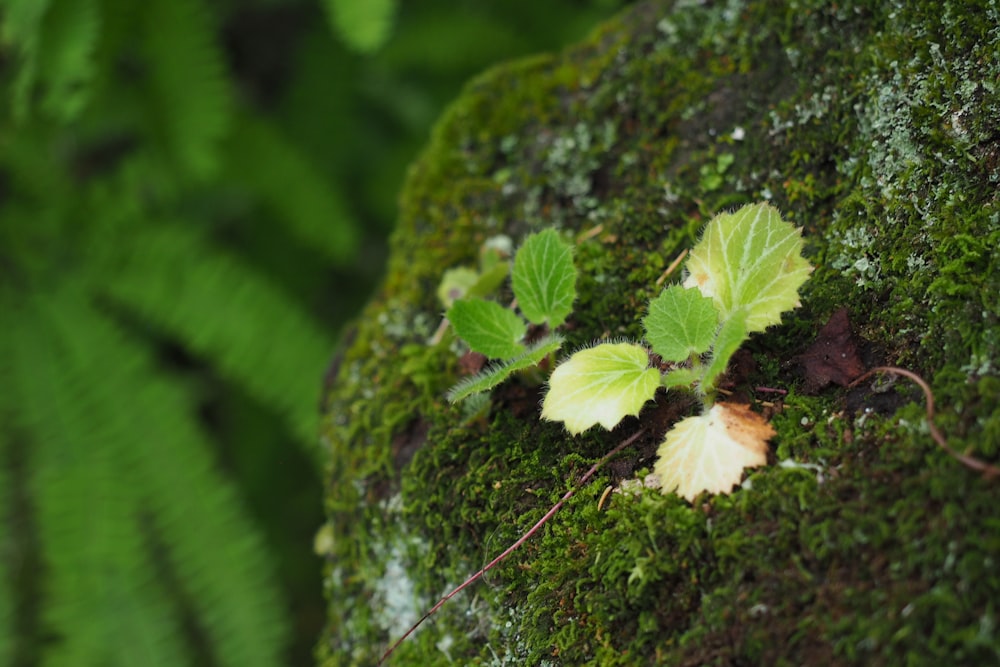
x: 544, y: 278
x: 681, y: 322
x: 709, y: 452
x: 600, y: 385
x: 750, y: 259
x: 488, y: 327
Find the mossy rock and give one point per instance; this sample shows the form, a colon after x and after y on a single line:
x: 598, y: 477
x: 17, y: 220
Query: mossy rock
x: 874, y: 126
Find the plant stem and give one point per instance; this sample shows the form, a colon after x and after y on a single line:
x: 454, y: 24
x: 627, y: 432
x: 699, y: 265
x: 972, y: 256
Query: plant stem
x: 509, y: 550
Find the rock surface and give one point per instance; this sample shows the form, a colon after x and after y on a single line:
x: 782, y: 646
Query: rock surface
x: 875, y: 127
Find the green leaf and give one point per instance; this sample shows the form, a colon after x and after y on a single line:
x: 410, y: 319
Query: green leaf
x: 461, y: 282
x: 544, y: 278
x: 54, y: 44
x: 497, y: 373
x: 66, y: 63
x: 600, y: 385
x: 364, y: 25
x: 490, y: 279
x: 709, y: 452
x: 732, y: 333
x: 681, y: 322
x: 750, y: 259
x: 455, y: 284
x: 95, y: 412
x: 488, y: 327
x: 190, y: 96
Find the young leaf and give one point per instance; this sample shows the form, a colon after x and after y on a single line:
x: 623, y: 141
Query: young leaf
x: 497, y: 373
x: 490, y: 279
x: 681, y: 322
x: 710, y: 451
x: 544, y: 278
x: 731, y: 335
x: 752, y: 259
x: 455, y: 284
x: 600, y: 385
x: 462, y: 282
x: 495, y: 250
x: 488, y: 327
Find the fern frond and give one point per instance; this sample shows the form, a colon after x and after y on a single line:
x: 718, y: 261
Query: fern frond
x: 219, y: 307
x: 21, y: 31
x: 190, y: 95
x: 72, y: 28
x: 123, y: 478
x: 84, y: 496
x: 22, y: 23
x: 273, y: 169
x: 364, y: 25
x: 56, y: 42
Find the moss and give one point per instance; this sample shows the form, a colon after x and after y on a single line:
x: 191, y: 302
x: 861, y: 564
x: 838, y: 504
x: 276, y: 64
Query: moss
x: 872, y: 126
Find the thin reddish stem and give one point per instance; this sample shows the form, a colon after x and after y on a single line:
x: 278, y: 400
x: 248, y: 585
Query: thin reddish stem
x: 509, y: 550
x: 989, y: 471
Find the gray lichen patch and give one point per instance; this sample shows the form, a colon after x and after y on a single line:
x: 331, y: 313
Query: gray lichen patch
x: 871, y: 125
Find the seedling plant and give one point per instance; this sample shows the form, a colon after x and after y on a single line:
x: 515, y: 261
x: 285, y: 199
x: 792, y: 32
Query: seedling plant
x: 741, y: 276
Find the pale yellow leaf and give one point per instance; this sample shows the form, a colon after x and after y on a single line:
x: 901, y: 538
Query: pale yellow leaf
x: 600, y: 385
x: 709, y: 452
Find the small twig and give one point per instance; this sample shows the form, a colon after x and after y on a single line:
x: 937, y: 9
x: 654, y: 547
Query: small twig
x: 989, y: 471
x: 604, y: 496
x: 673, y: 266
x: 589, y: 234
x: 439, y: 333
x: 509, y: 550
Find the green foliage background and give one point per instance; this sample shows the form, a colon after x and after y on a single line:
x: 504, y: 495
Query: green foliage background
x: 194, y: 197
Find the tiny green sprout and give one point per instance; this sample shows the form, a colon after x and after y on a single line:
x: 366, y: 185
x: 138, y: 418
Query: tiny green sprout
x: 464, y: 281
x: 742, y: 275
x: 543, y: 279
x: 711, y: 174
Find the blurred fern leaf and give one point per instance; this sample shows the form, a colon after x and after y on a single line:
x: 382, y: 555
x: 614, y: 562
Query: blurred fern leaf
x: 125, y: 497
x: 227, y: 313
x: 260, y: 158
x: 189, y: 97
x: 364, y: 25
x: 122, y: 542
x: 55, y: 42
